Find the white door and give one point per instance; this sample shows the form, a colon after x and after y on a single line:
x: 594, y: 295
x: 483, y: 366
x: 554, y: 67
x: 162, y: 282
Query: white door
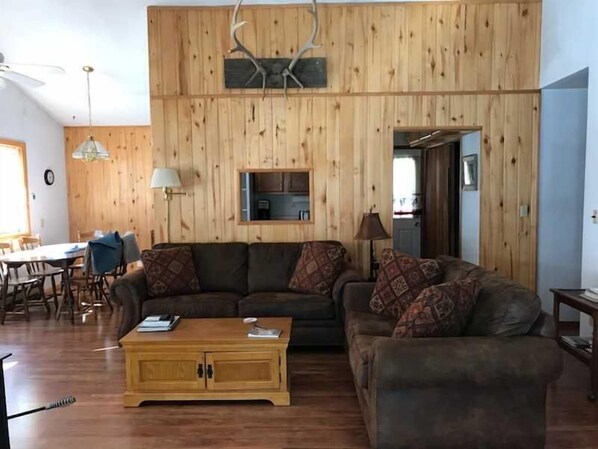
x: 407, y: 235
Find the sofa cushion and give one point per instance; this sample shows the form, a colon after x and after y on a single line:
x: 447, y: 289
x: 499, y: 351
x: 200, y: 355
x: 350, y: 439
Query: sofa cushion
x: 504, y: 307
x: 271, y: 266
x: 318, y: 268
x: 296, y: 305
x: 202, y: 305
x: 367, y: 323
x: 401, y: 279
x: 359, y: 356
x: 221, y: 267
x: 170, y: 272
x: 439, y: 311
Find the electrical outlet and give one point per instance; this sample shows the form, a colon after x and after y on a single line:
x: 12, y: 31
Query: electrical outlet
x: 43, y: 222
x: 595, y: 216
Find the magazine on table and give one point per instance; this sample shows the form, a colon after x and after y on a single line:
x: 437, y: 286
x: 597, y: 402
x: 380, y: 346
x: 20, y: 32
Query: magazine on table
x: 591, y: 294
x: 159, y: 323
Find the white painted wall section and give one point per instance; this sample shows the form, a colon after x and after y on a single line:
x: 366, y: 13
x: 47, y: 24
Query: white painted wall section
x: 470, y: 205
x: 570, y: 44
x: 22, y: 119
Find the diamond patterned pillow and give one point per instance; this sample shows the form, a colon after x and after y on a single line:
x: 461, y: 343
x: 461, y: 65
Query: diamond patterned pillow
x: 400, y: 280
x: 317, y: 269
x: 170, y: 272
x: 439, y: 311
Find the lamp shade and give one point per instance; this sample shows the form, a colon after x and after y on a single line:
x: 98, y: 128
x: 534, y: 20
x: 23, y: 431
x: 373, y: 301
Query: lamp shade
x: 371, y: 228
x: 91, y: 150
x: 165, y: 178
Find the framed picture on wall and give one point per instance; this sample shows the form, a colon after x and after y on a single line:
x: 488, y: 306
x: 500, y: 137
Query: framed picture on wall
x: 470, y: 172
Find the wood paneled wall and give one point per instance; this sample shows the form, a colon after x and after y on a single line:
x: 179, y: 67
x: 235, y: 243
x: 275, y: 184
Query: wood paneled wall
x: 113, y: 194
x: 390, y: 66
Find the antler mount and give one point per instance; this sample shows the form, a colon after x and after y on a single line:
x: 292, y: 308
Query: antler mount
x: 275, y: 72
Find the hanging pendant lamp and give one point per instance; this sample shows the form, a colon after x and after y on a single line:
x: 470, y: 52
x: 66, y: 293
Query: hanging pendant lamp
x: 91, y: 150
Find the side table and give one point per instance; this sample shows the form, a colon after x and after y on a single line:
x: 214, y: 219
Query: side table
x: 573, y: 299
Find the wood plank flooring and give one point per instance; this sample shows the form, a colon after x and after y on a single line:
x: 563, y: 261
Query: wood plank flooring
x: 57, y: 359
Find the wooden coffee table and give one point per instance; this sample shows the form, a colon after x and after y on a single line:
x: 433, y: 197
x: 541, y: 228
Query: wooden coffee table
x: 207, y: 359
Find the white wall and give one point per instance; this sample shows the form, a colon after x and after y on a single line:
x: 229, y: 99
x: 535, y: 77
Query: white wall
x: 561, y: 193
x: 570, y: 44
x: 23, y: 120
x: 470, y: 205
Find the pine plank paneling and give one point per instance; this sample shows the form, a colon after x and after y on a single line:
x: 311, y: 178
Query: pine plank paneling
x: 461, y: 64
x: 113, y: 195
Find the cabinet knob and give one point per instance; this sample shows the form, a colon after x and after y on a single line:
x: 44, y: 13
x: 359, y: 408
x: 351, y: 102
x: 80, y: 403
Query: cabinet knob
x: 200, y: 370
x: 210, y: 371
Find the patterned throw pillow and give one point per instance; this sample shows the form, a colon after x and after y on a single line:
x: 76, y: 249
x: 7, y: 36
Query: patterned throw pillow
x: 170, y: 272
x: 440, y: 311
x: 401, y: 279
x: 318, y: 268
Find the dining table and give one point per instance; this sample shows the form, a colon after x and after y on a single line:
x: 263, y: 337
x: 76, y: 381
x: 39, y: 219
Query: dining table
x: 62, y: 255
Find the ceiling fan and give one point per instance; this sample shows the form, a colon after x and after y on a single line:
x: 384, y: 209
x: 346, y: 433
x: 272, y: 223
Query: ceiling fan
x: 13, y: 72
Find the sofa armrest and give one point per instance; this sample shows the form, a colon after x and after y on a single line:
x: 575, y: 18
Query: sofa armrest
x: 475, y: 361
x: 356, y: 297
x: 130, y: 291
x: 485, y: 392
x: 347, y: 276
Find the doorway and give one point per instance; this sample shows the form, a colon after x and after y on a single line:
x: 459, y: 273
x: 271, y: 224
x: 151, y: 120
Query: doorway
x: 427, y: 178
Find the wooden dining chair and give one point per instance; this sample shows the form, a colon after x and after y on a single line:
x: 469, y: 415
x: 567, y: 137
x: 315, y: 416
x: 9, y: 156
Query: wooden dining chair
x: 86, y: 236
x: 19, y: 288
x: 39, y: 268
x: 89, y: 286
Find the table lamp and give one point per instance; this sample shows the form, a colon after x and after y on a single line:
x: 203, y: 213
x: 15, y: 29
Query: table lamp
x: 371, y: 229
x: 167, y: 179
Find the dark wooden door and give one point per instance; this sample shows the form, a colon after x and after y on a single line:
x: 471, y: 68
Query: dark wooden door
x: 440, y: 234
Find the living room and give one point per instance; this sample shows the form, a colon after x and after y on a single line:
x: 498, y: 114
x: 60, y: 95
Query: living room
x: 455, y: 136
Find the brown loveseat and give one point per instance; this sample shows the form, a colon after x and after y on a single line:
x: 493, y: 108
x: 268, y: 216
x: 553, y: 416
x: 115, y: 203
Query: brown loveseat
x: 240, y: 279
x: 486, y: 389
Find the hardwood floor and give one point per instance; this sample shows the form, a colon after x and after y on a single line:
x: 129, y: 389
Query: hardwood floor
x: 57, y: 359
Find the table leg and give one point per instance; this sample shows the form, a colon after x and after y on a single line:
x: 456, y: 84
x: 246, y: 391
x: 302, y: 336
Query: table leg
x: 556, y: 312
x: 3, y: 295
x: 67, y: 296
x: 594, y: 360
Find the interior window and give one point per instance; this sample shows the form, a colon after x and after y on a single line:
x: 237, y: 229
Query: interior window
x: 14, y: 219
x: 404, y: 193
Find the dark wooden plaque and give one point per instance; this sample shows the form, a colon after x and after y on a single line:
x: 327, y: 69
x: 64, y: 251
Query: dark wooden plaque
x: 310, y: 71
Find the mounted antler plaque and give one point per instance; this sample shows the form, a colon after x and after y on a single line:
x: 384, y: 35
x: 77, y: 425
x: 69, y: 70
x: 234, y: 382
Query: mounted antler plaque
x: 274, y: 72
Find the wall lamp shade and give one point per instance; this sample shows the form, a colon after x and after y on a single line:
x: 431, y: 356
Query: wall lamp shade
x: 164, y: 178
x: 371, y: 228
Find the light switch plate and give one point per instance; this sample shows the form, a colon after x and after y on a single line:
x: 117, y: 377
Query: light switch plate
x: 595, y: 216
x: 524, y: 211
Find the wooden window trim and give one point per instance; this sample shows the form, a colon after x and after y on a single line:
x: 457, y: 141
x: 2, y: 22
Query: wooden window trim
x: 23, y: 151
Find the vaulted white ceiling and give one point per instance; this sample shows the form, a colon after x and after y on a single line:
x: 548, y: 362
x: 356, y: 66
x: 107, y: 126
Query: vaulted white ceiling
x: 110, y: 35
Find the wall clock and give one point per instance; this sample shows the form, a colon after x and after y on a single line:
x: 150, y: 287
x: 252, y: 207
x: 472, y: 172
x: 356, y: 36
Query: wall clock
x: 49, y: 177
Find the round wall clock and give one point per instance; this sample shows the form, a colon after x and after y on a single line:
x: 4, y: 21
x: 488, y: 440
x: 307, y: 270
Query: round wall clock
x: 49, y: 177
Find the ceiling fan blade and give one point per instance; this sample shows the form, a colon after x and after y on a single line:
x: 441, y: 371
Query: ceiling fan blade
x: 21, y: 79
x: 50, y: 69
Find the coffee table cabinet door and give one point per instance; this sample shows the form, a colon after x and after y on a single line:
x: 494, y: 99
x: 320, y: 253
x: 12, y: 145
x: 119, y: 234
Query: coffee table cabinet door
x: 230, y: 371
x: 166, y: 372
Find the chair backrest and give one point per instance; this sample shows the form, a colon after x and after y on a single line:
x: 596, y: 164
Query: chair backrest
x: 5, y: 248
x: 29, y: 242
x: 86, y: 236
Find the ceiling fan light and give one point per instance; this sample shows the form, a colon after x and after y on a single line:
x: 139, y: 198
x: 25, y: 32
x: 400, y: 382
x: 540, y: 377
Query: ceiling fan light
x: 91, y: 150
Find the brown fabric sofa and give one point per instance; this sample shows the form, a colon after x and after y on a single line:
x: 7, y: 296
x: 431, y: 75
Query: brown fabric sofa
x: 239, y: 279
x: 486, y: 389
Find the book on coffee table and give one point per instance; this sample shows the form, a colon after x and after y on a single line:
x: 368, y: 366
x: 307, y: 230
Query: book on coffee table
x: 260, y: 332
x: 159, y: 323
